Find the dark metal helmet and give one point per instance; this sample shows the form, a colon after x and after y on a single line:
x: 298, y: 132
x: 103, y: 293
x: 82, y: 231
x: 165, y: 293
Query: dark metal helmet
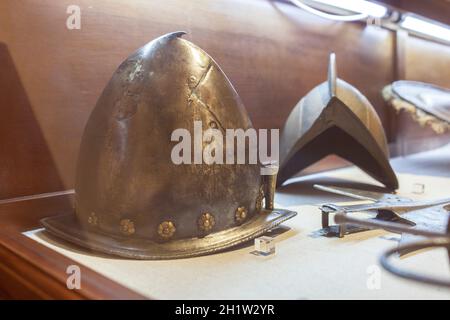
x: 131, y: 199
x: 335, y: 118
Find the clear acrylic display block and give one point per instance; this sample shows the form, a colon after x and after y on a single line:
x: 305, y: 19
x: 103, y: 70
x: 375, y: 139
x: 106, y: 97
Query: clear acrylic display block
x: 264, y: 246
x: 418, y: 188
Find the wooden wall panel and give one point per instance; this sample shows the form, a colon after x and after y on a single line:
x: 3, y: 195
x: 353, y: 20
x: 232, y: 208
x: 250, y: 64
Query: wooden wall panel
x: 427, y: 61
x: 272, y: 52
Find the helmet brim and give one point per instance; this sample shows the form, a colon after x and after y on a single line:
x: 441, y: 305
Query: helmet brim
x: 67, y: 227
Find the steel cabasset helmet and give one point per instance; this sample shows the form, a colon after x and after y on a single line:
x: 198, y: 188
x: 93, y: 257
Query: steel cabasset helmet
x: 131, y: 199
x: 335, y: 118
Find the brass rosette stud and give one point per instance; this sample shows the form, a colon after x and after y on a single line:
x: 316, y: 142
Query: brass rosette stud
x: 127, y: 226
x: 259, y: 199
x: 240, y: 215
x: 206, y: 222
x: 166, y: 230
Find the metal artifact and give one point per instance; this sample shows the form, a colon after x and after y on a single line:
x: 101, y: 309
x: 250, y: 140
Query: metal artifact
x: 335, y: 118
x: 428, y: 104
x: 432, y: 232
x: 422, y: 215
x: 131, y: 199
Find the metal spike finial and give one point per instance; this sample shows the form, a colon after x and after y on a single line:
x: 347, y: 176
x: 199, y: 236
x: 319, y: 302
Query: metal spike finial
x: 176, y: 34
x: 332, y: 74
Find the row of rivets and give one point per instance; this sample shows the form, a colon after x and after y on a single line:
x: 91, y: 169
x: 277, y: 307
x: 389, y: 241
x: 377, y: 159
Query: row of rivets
x: 167, y: 229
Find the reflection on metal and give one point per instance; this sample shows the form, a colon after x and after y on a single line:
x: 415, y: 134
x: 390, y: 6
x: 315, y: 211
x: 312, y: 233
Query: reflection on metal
x: 146, y: 206
x: 428, y: 104
x: 335, y: 118
x: 428, y: 219
x: 388, y: 17
x: 93, y: 219
x: 127, y: 226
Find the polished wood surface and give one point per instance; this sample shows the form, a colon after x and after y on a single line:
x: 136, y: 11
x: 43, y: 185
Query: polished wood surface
x: 273, y: 53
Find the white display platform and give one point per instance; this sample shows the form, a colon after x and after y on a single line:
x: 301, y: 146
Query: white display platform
x: 305, y: 266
